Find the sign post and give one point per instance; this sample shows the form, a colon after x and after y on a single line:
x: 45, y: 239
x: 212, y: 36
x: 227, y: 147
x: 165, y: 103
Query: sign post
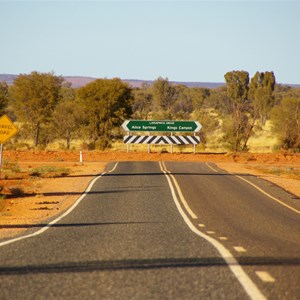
x: 128, y: 145
x: 7, y: 131
x: 149, y: 144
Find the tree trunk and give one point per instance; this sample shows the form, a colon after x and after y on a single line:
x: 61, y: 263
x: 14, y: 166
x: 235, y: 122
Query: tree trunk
x: 37, y: 135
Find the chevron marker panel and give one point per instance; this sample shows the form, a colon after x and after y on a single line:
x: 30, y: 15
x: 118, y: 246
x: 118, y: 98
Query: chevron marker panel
x: 162, y: 140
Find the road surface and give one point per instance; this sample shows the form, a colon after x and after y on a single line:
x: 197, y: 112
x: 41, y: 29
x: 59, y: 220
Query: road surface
x: 150, y: 230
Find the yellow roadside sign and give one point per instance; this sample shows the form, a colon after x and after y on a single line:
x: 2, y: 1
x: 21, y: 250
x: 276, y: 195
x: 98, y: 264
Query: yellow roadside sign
x: 7, y: 129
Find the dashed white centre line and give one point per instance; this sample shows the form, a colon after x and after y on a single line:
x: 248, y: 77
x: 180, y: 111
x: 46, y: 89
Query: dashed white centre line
x: 223, y: 238
x: 239, y: 249
x: 201, y: 225
x: 265, y: 276
x: 210, y: 232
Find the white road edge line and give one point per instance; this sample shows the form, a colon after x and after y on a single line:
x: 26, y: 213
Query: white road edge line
x: 211, y: 167
x: 259, y: 189
x: 249, y: 286
x: 61, y: 216
x: 267, y: 194
x: 116, y: 164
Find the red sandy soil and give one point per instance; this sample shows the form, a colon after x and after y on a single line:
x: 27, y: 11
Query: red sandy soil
x: 94, y: 156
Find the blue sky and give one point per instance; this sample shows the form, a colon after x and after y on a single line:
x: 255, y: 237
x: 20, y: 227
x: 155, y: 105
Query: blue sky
x: 180, y: 40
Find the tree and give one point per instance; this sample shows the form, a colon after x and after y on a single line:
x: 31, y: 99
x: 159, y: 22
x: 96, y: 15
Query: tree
x: 237, y: 83
x: 68, y: 116
x: 200, y: 95
x: 163, y: 96
x: 142, y: 103
x: 286, y: 123
x: 261, y: 90
x: 239, y: 127
x: 107, y: 103
x: 182, y: 105
x: 34, y: 98
x: 209, y: 122
x: 219, y: 100
x: 3, y: 97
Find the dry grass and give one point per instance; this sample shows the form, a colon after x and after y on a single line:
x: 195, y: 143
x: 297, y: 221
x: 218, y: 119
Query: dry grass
x: 263, y: 140
x: 10, y: 169
x: 17, y: 182
x: 49, y: 172
x: 292, y: 172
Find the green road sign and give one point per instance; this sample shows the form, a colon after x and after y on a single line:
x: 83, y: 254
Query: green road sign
x: 162, y: 126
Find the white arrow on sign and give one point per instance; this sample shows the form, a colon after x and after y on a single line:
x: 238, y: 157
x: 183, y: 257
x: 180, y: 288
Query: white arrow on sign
x: 124, y: 125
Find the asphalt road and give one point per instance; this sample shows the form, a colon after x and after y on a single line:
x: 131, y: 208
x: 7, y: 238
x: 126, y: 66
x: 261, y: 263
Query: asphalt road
x: 150, y: 230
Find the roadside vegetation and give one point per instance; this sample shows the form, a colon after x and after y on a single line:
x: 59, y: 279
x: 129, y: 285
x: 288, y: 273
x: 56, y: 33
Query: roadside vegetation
x: 16, y: 182
x: 49, y: 172
x: 292, y: 172
x: 244, y: 114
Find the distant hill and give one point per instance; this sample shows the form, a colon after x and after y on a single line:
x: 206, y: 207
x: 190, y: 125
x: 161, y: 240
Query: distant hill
x: 79, y: 81
x: 8, y: 78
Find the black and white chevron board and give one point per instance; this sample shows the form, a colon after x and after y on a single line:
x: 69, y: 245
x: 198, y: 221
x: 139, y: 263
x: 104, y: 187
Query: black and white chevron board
x: 162, y: 139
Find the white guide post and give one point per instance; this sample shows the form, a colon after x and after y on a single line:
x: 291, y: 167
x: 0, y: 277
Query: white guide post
x: 80, y: 158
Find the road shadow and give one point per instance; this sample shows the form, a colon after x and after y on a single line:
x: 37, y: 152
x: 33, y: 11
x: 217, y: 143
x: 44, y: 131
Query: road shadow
x: 59, y: 194
x: 62, y: 225
x: 143, y: 264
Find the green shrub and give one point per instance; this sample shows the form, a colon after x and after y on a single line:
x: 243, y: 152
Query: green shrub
x: 103, y: 143
x: 12, y: 166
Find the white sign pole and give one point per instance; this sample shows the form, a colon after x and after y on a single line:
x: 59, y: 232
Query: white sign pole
x: 128, y: 145
x: 148, y: 144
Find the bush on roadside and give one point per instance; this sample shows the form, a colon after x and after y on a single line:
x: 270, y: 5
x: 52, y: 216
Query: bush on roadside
x: 50, y: 172
x: 16, y: 192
